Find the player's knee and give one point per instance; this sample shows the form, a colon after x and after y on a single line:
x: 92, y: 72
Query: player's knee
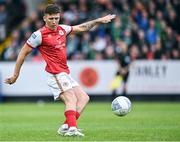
x: 70, y: 98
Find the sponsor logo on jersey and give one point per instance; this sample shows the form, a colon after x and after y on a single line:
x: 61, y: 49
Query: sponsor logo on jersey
x: 60, y: 46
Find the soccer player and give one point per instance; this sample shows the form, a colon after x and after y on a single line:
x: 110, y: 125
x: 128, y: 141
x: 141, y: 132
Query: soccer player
x: 51, y: 42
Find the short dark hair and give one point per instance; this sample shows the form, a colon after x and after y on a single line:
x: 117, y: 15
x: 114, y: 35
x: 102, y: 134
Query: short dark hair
x: 52, y: 9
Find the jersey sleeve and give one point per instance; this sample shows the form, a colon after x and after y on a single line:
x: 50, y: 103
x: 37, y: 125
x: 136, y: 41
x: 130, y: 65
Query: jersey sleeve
x: 67, y: 28
x: 35, y: 39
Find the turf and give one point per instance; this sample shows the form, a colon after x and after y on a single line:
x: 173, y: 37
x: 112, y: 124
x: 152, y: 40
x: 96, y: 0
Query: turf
x: 39, y: 122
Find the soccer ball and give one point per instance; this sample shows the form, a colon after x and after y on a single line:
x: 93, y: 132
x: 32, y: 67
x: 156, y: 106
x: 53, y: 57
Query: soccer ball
x: 121, y: 106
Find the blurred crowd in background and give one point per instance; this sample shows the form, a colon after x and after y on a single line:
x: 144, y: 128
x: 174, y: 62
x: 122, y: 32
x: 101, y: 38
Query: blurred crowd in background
x: 143, y: 29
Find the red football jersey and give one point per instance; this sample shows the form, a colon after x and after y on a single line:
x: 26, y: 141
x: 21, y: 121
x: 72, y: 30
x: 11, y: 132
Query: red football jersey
x: 52, y: 46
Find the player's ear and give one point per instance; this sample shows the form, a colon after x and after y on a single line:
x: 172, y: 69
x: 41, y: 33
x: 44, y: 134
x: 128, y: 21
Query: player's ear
x: 44, y: 18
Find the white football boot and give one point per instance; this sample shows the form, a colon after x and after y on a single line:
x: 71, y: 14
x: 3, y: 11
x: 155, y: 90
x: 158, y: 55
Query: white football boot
x: 73, y: 131
x: 63, y: 129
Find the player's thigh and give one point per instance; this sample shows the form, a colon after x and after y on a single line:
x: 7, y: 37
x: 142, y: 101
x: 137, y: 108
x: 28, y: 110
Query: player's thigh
x: 59, y: 84
x: 81, y: 95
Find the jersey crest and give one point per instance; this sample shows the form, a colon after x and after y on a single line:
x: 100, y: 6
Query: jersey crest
x: 61, y: 32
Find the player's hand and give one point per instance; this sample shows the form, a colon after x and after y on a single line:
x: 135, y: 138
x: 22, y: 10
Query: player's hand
x: 11, y: 80
x: 107, y: 18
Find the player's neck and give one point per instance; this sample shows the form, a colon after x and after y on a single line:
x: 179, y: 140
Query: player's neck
x: 51, y: 28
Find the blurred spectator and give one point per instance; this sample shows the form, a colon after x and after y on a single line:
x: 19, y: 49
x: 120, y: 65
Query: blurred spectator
x: 170, y: 41
x: 16, y: 13
x: 72, y: 46
x: 151, y: 34
x: 11, y: 52
x: 3, y: 20
x: 173, y: 21
x: 99, y: 44
x: 109, y: 52
x: 116, y: 29
x: 85, y: 45
x: 175, y: 54
x: 127, y: 37
x: 123, y: 58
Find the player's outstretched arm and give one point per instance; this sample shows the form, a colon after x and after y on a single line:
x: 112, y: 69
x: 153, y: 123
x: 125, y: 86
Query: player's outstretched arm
x: 88, y: 25
x: 20, y: 60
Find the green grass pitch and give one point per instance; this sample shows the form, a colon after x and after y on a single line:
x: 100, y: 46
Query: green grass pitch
x: 159, y: 121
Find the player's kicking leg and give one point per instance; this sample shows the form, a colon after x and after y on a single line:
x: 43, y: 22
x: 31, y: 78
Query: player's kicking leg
x: 70, y: 101
x: 82, y: 100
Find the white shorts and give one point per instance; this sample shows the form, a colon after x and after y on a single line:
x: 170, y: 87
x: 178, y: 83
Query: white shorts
x: 60, y: 83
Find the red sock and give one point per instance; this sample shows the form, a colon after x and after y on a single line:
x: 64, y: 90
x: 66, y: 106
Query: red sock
x: 77, y: 116
x: 70, y: 118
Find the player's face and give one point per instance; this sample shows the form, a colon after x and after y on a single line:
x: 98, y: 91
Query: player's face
x: 52, y: 20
